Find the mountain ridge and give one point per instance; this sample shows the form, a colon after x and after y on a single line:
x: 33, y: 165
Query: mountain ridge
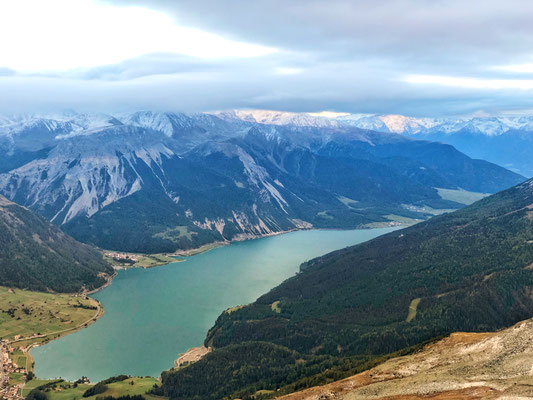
x: 192, y: 179
x: 504, y: 140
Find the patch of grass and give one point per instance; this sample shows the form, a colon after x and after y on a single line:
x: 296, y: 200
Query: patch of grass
x: 201, y: 249
x: 140, y: 386
x: 142, y: 260
x: 427, y: 209
x: 275, y: 307
x: 347, y: 201
x: 20, y: 360
x: 460, y: 195
x: 35, y: 383
x: 412, y: 309
x: 174, y: 233
x: 130, y: 386
x: 402, y: 220
x: 324, y: 214
x: 73, y: 393
x: 154, y: 260
x: 28, y: 313
x: 232, y: 309
x: 16, y: 378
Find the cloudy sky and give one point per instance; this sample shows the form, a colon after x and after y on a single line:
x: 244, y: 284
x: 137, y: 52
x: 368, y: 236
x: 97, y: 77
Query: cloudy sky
x: 414, y: 57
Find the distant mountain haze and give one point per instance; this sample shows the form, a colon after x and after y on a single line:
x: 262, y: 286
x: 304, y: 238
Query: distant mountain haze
x: 505, y: 140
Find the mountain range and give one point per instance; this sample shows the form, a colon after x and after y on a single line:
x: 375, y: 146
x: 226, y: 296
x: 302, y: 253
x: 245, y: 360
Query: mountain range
x: 504, y: 140
x: 344, y: 312
x: 158, y: 182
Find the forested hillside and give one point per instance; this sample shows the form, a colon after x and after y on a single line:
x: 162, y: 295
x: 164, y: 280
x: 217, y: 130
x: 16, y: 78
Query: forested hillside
x: 37, y: 255
x: 470, y: 270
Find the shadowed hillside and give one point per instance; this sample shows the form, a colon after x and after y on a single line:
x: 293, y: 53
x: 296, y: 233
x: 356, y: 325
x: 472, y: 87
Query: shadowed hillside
x: 36, y: 255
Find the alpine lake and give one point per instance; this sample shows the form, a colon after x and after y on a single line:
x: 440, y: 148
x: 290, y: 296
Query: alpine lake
x: 153, y: 315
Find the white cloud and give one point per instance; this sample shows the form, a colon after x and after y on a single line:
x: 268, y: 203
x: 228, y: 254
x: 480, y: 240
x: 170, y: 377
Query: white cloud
x: 328, y: 114
x: 288, y: 71
x: 470, y: 83
x: 518, y: 68
x: 391, y: 56
x: 65, y: 34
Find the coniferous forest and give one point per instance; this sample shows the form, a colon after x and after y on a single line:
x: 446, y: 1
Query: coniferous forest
x: 469, y: 270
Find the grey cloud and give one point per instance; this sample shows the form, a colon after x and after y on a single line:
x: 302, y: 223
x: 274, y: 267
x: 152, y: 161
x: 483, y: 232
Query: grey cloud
x: 352, y: 56
x: 404, y: 29
x: 252, y: 84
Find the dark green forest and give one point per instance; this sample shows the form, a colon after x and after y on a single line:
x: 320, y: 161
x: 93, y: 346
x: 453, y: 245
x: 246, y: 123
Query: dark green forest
x: 471, y: 270
x: 36, y: 255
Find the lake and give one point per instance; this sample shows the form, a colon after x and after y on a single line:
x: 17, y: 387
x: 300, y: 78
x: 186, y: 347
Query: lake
x: 153, y: 315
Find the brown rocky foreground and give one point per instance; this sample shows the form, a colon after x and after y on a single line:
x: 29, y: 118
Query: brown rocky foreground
x: 495, y: 365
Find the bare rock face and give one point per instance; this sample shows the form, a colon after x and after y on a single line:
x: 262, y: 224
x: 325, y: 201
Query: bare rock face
x: 495, y: 365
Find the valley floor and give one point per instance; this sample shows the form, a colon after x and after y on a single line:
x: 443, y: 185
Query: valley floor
x: 495, y: 365
x: 28, y: 319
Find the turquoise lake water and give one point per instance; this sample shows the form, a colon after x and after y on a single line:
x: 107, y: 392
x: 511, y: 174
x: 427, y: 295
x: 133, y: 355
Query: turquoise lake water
x: 153, y: 315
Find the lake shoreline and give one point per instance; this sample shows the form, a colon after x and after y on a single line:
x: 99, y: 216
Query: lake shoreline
x: 245, y: 237
x: 215, y: 245
x: 26, y: 350
x: 226, y: 268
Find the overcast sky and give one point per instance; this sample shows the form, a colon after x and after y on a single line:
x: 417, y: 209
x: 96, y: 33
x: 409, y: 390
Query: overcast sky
x: 413, y: 57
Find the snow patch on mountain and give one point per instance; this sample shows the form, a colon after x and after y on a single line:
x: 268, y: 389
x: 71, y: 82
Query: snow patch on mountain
x: 490, y: 126
x: 270, y: 117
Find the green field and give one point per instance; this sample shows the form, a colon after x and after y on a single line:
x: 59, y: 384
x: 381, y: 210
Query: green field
x: 20, y: 359
x: 143, y: 260
x: 16, y: 378
x: 28, y: 387
x: 201, y: 249
x: 402, y: 220
x: 175, y: 233
x: 460, y: 195
x: 27, y: 313
x: 324, y: 214
x: 347, y: 201
x: 398, y: 219
x: 70, y: 391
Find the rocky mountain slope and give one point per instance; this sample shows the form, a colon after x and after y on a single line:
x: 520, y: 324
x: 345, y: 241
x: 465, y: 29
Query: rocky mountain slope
x: 470, y: 270
x: 37, y: 255
x: 157, y: 182
x: 504, y: 140
x: 494, y: 365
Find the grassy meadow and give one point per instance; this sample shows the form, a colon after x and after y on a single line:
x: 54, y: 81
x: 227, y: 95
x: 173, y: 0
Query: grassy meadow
x: 28, y: 314
x: 69, y: 391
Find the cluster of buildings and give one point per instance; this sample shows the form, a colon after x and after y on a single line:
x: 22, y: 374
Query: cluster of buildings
x: 122, y: 256
x: 7, y: 366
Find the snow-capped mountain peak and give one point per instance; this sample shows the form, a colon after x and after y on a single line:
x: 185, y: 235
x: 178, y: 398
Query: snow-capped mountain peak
x: 270, y: 117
